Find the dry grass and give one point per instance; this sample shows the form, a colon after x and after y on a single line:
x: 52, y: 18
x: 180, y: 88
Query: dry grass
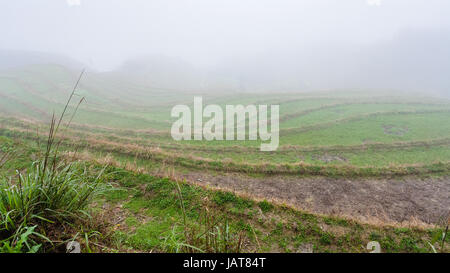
x: 380, y: 220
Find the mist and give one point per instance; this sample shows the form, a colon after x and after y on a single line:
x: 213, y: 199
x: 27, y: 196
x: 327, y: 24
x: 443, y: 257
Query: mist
x: 243, y: 46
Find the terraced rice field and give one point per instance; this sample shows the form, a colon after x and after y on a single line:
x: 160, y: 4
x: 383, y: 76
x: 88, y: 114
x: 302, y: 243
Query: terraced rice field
x: 378, y: 160
x: 331, y: 135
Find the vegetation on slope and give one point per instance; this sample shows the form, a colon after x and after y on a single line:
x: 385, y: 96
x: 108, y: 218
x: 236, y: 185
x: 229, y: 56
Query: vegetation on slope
x: 143, y: 213
x: 51, y: 201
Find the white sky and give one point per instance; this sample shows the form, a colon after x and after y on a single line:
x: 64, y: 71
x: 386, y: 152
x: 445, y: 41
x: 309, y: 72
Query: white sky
x: 103, y: 33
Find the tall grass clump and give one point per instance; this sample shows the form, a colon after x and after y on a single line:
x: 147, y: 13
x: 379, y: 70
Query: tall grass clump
x: 48, y: 194
x: 208, y: 235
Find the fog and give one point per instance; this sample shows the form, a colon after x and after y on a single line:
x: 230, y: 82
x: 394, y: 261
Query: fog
x: 244, y: 45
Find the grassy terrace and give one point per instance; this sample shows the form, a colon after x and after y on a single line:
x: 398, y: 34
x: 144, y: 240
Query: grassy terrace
x: 151, y: 211
x: 372, y: 159
x: 145, y: 206
x: 140, y: 213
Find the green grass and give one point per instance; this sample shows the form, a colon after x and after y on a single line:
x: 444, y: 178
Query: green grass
x: 45, y: 196
x: 361, y: 162
x: 350, y: 110
x: 277, y: 228
x: 336, y: 134
x: 373, y: 129
x: 151, y: 218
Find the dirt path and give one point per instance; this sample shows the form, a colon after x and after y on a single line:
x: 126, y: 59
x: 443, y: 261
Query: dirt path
x: 407, y: 200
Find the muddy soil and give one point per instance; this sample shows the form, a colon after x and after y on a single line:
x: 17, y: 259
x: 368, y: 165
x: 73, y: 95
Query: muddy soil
x: 327, y: 158
x: 394, y: 130
x: 406, y: 200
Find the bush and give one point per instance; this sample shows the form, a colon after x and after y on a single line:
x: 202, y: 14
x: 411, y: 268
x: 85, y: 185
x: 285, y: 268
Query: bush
x: 44, y: 195
x: 49, y: 192
x: 265, y: 206
x: 222, y: 198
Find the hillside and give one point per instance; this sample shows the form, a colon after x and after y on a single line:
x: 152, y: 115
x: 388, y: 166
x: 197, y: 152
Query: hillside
x: 352, y: 165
